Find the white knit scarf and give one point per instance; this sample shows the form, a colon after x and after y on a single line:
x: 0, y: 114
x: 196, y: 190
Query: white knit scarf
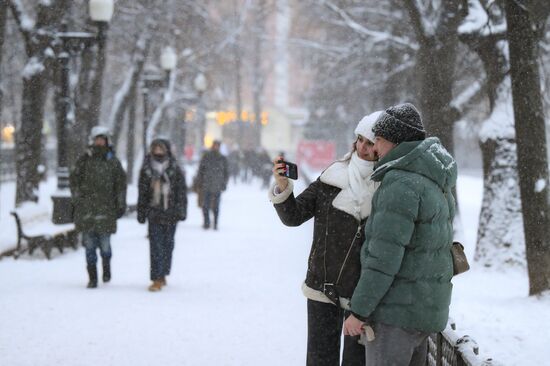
x: 353, y: 177
x: 160, y: 183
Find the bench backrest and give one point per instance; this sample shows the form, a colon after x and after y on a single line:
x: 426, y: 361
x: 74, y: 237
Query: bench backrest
x: 30, y: 213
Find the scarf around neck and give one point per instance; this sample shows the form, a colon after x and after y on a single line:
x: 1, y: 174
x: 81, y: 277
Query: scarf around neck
x: 352, y: 176
x: 160, y: 183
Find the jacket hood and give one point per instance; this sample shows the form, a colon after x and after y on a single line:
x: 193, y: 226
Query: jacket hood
x: 427, y: 157
x: 162, y: 141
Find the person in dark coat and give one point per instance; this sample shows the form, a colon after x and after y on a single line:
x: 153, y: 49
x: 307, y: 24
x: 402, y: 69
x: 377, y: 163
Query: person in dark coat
x: 212, y: 180
x: 339, y: 201
x: 162, y: 201
x: 98, y: 189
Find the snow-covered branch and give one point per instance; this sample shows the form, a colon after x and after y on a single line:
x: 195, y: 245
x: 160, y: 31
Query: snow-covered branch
x: 166, y: 101
x: 121, y: 97
x: 478, y: 22
x: 24, y: 21
x: 467, y: 96
x: 236, y: 29
x: 363, y: 31
x: 307, y: 43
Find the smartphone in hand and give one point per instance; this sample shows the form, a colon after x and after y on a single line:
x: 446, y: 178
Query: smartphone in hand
x: 291, y: 170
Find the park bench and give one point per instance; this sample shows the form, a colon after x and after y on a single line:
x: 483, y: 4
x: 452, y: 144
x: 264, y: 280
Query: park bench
x: 36, y: 230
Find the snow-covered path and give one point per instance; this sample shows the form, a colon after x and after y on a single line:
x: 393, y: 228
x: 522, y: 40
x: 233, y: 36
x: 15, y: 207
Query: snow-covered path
x: 233, y: 297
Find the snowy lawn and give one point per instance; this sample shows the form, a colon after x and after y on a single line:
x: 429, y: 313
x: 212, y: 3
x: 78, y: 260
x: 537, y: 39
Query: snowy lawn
x: 233, y: 297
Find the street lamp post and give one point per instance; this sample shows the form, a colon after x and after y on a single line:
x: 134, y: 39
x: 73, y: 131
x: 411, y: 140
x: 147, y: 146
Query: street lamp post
x: 150, y: 81
x: 168, y: 61
x: 71, y: 43
x: 200, y: 83
x: 101, y: 12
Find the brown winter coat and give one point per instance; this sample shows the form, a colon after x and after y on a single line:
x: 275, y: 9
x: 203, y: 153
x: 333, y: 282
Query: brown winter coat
x: 337, y: 235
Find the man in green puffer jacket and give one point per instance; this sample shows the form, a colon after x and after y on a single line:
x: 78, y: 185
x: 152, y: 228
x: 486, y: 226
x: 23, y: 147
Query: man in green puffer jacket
x: 404, y: 290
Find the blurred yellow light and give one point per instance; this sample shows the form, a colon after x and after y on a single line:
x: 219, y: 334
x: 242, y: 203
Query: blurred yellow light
x: 208, y: 141
x: 7, y: 133
x: 264, y: 118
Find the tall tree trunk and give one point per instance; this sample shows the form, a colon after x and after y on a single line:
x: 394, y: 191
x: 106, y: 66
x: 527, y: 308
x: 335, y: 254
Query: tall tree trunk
x: 3, y: 16
x: 258, y: 78
x: 499, y: 236
x: 238, y: 94
x: 38, y: 46
x: 435, y: 65
x: 131, y: 138
x: 531, y: 138
x: 29, y: 137
x: 77, y: 133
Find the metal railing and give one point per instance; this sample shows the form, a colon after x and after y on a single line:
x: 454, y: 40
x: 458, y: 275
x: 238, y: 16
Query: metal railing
x: 447, y: 348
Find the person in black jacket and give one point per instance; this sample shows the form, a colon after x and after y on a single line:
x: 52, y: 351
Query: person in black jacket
x: 340, y: 202
x: 98, y: 190
x: 212, y: 180
x: 162, y: 201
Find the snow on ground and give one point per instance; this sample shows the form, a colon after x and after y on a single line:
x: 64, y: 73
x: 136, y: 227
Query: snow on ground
x: 233, y: 297
x: 493, y: 307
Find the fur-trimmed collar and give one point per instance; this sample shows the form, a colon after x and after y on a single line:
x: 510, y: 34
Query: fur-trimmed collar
x: 336, y: 174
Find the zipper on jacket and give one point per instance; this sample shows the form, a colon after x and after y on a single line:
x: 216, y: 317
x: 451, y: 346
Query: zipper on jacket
x: 357, y: 236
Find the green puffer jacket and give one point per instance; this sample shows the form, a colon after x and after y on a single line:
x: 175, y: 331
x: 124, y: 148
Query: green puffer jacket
x: 98, y: 189
x: 406, y: 263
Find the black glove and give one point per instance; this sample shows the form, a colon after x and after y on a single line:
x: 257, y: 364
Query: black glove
x: 141, y: 218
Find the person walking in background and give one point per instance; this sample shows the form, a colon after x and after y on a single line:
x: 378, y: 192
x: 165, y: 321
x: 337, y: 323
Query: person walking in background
x: 98, y: 189
x: 405, y: 286
x: 162, y: 201
x: 212, y: 180
x: 340, y: 202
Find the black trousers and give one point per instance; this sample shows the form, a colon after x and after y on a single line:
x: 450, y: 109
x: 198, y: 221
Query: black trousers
x: 161, y: 244
x: 324, y: 337
x: 211, y: 201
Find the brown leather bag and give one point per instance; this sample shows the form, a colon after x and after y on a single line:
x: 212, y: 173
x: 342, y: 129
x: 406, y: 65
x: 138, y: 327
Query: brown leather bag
x: 460, y: 262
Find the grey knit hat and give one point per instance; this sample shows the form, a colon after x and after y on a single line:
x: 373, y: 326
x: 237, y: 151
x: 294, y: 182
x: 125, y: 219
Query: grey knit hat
x: 400, y: 123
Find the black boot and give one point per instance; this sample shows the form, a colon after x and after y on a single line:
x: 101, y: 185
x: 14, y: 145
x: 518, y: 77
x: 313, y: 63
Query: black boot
x: 92, y: 273
x: 106, y: 270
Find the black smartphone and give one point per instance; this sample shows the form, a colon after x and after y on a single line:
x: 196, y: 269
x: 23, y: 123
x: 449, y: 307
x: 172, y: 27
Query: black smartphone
x: 291, y: 170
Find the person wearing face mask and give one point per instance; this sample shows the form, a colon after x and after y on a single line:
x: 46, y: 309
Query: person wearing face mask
x: 162, y: 201
x: 339, y: 201
x: 98, y: 191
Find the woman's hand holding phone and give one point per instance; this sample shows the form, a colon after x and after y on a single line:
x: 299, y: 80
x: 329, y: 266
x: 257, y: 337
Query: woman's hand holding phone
x: 278, y: 168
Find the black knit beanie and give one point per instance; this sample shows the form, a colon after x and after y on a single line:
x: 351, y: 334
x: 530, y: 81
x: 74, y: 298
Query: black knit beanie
x: 400, y: 123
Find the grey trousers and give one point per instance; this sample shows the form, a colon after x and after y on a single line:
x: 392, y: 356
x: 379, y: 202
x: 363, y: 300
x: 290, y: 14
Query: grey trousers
x: 394, y: 346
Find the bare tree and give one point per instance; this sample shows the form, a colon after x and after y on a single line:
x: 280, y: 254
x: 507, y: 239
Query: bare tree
x: 436, y: 27
x: 499, y: 239
x: 39, y: 37
x: 3, y: 17
x: 531, y: 137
